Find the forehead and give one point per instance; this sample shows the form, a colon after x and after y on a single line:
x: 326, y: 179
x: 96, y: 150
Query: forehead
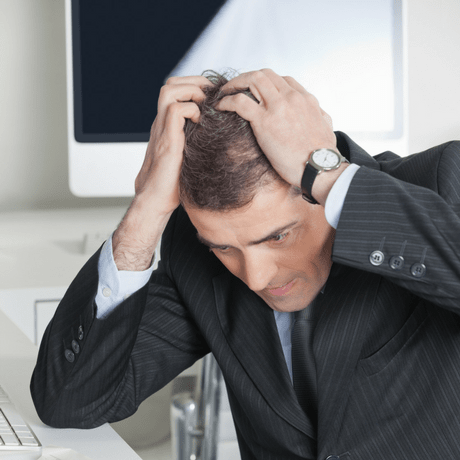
x: 271, y: 208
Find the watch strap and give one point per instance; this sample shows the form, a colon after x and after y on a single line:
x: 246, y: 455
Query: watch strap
x: 308, y: 177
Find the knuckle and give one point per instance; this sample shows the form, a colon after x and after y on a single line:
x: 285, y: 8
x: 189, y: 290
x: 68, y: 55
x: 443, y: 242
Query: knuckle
x: 259, y: 75
x: 171, y: 81
x: 164, y: 91
x: 312, y: 99
x: 175, y: 108
x: 294, y: 96
x: 241, y: 99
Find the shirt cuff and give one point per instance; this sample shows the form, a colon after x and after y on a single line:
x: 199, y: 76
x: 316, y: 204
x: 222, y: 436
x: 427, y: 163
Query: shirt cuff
x: 115, y: 286
x: 337, y: 194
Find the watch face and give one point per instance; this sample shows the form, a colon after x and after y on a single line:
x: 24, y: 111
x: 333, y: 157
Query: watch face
x: 325, y: 158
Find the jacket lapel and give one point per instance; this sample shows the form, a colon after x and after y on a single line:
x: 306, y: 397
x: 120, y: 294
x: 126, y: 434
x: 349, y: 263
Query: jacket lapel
x: 250, y: 328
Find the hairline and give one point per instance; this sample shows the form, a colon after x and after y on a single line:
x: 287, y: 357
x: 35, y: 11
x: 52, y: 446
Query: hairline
x: 263, y: 184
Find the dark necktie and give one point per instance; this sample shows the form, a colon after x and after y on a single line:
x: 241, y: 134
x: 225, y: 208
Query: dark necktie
x: 303, y: 362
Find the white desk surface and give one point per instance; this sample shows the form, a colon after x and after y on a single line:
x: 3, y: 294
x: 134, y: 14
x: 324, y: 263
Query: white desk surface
x: 17, y: 360
x: 45, y: 247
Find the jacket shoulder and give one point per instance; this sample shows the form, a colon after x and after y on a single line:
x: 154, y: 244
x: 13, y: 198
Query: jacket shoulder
x: 436, y: 168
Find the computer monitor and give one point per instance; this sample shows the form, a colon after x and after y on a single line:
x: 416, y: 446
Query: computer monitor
x: 119, y: 54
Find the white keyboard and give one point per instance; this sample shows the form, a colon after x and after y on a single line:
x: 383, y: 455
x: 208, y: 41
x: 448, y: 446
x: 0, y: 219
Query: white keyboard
x: 15, y: 433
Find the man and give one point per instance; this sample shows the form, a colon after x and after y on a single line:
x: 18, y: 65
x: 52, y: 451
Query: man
x: 376, y: 259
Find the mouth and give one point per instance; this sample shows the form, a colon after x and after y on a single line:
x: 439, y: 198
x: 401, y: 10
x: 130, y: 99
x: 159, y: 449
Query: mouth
x: 282, y: 290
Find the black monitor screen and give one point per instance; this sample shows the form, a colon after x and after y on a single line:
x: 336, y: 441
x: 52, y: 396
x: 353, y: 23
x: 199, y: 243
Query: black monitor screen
x: 123, y: 50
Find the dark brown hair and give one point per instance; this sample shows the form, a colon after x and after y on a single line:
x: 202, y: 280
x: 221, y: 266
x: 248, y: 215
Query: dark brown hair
x: 223, y: 166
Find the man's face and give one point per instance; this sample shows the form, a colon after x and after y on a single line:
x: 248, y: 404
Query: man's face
x: 279, y: 246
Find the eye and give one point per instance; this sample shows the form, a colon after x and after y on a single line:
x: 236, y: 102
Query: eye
x: 222, y: 249
x: 280, y: 237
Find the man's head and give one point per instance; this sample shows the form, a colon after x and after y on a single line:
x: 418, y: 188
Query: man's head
x: 255, y: 223
x: 223, y: 165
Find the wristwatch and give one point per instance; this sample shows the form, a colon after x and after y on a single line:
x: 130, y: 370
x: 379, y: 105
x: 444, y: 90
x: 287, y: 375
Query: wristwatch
x: 320, y: 160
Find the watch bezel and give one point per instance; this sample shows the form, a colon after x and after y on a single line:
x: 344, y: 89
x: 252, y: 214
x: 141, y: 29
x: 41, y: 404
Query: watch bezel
x: 317, y: 166
x: 313, y: 169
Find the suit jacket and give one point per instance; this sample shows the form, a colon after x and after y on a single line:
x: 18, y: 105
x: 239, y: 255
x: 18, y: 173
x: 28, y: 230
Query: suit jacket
x: 387, y: 345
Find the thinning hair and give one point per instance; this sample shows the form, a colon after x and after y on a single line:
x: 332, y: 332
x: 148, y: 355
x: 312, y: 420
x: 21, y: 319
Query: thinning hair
x: 223, y: 165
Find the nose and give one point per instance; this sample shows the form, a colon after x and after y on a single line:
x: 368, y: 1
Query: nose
x: 258, y: 270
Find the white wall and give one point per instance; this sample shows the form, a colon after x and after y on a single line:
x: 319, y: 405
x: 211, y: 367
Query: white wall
x: 33, y: 146
x: 434, y: 72
x: 33, y: 130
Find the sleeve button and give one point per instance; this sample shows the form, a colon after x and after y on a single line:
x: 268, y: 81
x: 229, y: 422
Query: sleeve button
x: 397, y: 262
x: 376, y: 258
x: 81, y: 333
x: 69, y: 355
x: 75, y: 347
x: 418, y: 270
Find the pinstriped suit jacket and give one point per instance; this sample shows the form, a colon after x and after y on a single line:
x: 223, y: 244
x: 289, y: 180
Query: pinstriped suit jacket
x: 387, y: 344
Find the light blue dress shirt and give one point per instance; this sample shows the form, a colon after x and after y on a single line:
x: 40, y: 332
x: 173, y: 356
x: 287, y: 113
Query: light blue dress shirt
x: 115, y: 286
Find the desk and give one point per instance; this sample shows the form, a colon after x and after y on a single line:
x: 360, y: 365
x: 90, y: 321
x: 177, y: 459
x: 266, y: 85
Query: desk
x: 17, y: 360
x: 40, y: 254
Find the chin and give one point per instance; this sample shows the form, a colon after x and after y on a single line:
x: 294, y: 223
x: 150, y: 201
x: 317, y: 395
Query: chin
x: 286, y: 305
x: 292, y: 301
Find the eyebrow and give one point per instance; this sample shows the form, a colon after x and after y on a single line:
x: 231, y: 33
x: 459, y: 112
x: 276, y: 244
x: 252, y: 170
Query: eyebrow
x: 272, y: 235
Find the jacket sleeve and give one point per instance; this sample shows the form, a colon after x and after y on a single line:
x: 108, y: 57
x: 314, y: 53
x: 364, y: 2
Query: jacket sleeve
x: 408, y: 208
x: 91, y: 371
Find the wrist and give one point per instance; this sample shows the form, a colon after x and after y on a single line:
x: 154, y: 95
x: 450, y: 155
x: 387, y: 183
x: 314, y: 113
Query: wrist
x: 322, y: 169
x: 324, y: 183
x: 137, y: 236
